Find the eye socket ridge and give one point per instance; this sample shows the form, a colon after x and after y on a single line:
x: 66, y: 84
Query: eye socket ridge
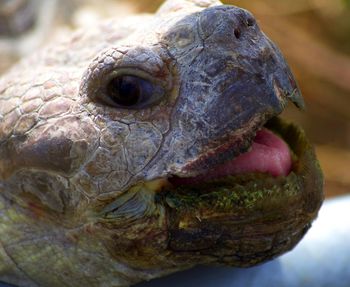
x: 132, y: 91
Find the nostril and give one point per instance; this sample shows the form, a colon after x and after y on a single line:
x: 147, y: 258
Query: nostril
x: 237, y: 33
x: 250, y: 22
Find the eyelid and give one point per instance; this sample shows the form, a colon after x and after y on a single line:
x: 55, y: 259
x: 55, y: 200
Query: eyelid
x: 131, y: 71
x: 115, y: 62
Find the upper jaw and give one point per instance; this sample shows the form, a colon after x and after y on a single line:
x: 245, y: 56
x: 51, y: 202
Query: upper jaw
x: 235, y: 142
x: 240, y: 90
x: 225, y: 149
x: 193, y: 146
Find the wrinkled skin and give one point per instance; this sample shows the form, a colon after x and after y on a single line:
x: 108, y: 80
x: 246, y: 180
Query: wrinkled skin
x: 84, y: 198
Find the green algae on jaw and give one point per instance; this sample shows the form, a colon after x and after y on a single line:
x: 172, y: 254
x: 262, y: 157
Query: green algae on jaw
x: 235, y: 193
x: 252, y: 191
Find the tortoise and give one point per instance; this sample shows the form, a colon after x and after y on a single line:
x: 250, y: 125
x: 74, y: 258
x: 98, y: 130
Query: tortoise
x: 148, y: 145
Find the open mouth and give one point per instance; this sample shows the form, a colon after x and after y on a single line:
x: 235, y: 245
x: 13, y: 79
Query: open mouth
x: 279, y: 168
x: 278, y: 174
x: 278, y: 150
x: 264, y: 200
x: 277, y: 180
x: 268, y: 154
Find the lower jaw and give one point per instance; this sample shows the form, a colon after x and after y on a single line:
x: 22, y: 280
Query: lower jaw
x: 262, y: 214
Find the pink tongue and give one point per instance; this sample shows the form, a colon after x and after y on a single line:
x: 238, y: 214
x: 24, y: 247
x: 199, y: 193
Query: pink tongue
x: 268, y: 154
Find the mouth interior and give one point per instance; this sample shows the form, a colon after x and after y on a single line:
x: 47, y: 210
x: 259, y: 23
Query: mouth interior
x: 269, y: 154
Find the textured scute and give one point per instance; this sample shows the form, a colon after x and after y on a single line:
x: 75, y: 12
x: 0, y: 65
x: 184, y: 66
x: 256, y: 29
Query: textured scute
x: 70, y: 161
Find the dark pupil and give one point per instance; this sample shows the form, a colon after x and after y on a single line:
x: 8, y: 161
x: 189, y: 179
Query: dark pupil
x: 125, y: 90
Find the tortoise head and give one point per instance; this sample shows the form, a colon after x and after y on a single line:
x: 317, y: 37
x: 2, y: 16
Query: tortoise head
x: 99, y: 170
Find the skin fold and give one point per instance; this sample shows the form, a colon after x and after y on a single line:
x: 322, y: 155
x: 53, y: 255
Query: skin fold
x: 85, y: 195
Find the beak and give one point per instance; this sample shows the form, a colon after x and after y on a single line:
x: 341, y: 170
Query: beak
x: 284, y: 83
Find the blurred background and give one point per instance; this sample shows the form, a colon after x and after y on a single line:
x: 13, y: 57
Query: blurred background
x: 314, y: 36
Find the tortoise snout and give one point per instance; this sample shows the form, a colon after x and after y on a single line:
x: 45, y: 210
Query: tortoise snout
x: 226, y: 24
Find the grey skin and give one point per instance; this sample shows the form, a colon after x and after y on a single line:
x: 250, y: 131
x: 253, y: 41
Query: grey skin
x: 82, y: 178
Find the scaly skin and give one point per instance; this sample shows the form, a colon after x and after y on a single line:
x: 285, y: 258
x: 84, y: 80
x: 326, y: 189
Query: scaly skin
x: 84, y: 196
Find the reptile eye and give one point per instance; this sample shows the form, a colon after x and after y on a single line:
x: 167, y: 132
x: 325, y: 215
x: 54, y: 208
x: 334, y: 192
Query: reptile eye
x: 132, y: 92
x: 128, y: 91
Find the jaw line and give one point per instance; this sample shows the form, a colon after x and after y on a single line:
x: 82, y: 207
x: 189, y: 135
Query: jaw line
x: 224, y: 149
